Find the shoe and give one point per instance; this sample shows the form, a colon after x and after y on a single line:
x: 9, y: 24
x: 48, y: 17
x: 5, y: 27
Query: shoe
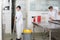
x: 18, y: 39
x: 22, y: 33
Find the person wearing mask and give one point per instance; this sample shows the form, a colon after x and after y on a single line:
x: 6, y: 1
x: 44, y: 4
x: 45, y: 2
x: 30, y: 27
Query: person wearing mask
x: 19, y: 22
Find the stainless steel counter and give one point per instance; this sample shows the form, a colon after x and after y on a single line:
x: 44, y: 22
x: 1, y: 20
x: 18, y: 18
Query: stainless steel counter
x: 49, y: 25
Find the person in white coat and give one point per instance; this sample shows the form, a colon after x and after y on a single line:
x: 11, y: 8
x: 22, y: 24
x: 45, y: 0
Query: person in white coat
x: 19, y: 22
x: 51, y: 14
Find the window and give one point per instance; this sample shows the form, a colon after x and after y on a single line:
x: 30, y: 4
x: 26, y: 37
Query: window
x: 42, y: 5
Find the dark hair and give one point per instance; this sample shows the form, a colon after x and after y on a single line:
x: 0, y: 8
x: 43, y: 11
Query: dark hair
x: 18, y: 7
x: 50, y: 7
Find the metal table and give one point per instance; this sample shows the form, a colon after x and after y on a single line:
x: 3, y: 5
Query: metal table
x: 49, y: 25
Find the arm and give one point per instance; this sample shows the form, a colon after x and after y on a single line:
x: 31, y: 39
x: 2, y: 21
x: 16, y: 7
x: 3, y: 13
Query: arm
x: 50, y: 17
x: 59, y: 13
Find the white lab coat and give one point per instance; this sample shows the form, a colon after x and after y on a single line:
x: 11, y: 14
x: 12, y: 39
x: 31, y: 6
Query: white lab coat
x: 19, y: 23
x: 52, y: 15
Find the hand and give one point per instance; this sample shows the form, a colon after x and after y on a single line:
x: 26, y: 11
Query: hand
x: 51, y: 19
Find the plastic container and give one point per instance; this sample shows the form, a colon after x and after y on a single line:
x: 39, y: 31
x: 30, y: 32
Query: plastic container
x: 27, y: 34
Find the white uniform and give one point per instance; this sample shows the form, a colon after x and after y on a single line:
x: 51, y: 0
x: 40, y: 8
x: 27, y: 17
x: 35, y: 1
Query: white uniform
x: 19, y: 23
x: 52, y: 15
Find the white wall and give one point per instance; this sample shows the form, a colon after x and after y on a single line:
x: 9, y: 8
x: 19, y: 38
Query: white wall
x: 7, y: 17
x: 7, y: 21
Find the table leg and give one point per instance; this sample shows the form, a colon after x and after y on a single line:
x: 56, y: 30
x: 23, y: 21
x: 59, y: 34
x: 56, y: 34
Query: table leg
x: 44, y: 34
x: 33, y: 32
x: 49, y: 34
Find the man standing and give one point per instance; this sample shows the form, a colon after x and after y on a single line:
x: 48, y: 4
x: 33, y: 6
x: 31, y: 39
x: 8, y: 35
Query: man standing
x: 19, y: 22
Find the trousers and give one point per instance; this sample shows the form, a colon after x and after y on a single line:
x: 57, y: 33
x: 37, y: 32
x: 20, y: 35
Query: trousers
x: 19, y: 29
